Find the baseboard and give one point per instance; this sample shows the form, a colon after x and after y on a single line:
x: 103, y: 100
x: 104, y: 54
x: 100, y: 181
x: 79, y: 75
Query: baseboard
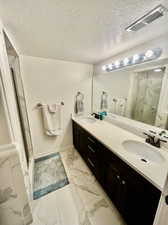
x: 53, y: 151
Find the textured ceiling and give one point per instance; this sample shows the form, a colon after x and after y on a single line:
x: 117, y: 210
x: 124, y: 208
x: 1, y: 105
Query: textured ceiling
x: 77, y: 30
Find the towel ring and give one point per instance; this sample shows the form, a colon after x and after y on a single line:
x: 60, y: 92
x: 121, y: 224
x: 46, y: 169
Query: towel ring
x: 79, y: 94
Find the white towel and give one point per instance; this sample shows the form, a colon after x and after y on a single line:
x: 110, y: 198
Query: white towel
x: 114, y: 105
x: 52, y: 108
x: 51, y: 121
x: 79, y: 105
x: 118, y: 106
x: 121, y: 106
x: 103, y: 102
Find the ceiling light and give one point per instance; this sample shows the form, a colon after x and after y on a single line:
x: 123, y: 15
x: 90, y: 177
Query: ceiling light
x: 148, y: 18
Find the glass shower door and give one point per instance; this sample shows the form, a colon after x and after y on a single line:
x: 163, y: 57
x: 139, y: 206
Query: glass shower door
x: 149, y: 85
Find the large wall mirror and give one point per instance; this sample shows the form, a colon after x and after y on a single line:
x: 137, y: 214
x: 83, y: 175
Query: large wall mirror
x: 138, y: 93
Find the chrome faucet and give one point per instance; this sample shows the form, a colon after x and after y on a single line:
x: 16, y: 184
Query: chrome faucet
x: 155, y: 139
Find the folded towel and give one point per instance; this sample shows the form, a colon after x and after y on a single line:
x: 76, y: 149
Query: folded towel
x: 51, y: 120
x: 119, y: 106
x: 79, y: 105
x: 104, y: 103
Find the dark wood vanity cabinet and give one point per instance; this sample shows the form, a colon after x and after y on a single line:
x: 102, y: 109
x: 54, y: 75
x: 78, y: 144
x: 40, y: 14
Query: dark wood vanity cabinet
x: 135, y: 197
x: 90, y: 150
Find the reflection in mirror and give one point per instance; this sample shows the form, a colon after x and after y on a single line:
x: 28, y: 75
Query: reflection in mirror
x: 145, y: 95
x: 140, y: 95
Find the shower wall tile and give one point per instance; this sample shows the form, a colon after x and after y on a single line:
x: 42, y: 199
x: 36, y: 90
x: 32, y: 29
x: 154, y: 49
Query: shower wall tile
x: 161, y: 120
x: 14, y: 204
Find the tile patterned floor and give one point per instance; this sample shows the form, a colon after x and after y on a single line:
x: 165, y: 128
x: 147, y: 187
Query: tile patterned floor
x: 82, y: 202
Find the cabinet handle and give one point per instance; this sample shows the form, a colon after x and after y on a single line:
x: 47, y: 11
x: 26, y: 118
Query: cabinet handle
x: 123, y: 182
x: 91, y: 140
x: 91, y: 162
x: 91, y: 149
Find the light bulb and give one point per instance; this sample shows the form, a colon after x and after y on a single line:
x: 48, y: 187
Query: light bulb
x: 136, y: 57
x: 126, y: 61
x: 149, y: 53
x: 104, y: 68
x: 110, y: 66
x: 117, y: 64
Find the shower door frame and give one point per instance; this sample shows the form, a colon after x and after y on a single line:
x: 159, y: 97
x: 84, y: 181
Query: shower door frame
x: 10, y: 101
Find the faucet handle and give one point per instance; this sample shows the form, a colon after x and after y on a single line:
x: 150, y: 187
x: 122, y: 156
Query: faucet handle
x: 162, y: 140
x: 152, y: 132
x: 163, y: 132
x: 165, y: 136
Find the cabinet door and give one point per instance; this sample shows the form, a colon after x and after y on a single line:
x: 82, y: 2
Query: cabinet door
x: 80, y: 139
x: 140, y: 200
x: 113, y: 184
x: 82, y: 135
x: 75, y: 136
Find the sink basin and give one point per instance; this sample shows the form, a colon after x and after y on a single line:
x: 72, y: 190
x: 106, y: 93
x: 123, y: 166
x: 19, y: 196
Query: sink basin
x: 88, y: 119
x: 143, y: 152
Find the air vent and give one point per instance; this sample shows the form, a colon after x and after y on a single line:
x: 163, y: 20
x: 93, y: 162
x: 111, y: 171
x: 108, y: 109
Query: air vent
x: 148, y: 18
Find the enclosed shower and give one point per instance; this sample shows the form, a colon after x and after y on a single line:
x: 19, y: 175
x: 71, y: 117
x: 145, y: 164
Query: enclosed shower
x: 148, y: 86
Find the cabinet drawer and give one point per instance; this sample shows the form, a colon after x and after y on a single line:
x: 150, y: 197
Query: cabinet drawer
x: 94, y: 166
x: 92, y: 143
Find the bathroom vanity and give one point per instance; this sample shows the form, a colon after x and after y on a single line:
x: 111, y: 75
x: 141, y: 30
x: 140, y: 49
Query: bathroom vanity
x: 133, y: 185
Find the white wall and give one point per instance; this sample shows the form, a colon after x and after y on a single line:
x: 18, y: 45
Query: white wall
x: 53, y: 81
x: 116, y: 85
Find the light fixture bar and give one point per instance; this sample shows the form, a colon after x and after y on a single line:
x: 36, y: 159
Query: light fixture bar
x: 149, y: 55
x: 148, y: 18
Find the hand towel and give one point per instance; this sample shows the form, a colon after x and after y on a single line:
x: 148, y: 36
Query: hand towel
x: 103, y: 103
x: 79, y: 105
x: 52, y: 119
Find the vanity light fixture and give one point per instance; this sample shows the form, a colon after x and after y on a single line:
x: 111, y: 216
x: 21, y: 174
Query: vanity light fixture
x: 149, y: 55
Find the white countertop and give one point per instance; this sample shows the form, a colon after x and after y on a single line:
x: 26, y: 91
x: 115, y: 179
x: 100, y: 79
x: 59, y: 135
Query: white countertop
x: 113, y: 137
